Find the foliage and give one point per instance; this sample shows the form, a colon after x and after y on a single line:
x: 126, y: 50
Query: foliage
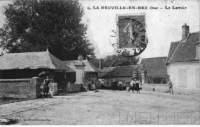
x: 115, y: 60
x: 119, y: 60
x: 35, y: 25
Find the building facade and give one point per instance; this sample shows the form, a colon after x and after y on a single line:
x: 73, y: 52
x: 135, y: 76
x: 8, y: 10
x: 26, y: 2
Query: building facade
x: 183, y: 62
x: 122, y: 73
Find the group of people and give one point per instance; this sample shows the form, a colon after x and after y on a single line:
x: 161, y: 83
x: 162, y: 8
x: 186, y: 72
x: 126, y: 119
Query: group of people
x: 118, y: 84
x: 91, y: 84
x: 135, y: 85
x: 45, y: 88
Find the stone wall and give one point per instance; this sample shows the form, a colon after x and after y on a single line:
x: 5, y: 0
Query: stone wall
x: 20, y: 88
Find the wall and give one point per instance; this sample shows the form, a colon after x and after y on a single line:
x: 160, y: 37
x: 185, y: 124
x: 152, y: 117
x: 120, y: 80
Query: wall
x: 164, y: 88
x: 20, y: 88
x: 185, y: 75
x: 73, y: 87
x: 79, y: 76
x: 108, y: 81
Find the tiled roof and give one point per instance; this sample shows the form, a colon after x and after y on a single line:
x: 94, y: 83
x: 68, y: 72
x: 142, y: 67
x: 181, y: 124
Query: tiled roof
x: 155, y: 67
x: 103, y: 72
x: 184, y: 51
x: 123, y: 71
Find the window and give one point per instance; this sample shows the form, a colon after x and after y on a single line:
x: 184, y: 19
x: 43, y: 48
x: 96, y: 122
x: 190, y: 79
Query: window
x: 198, y: 51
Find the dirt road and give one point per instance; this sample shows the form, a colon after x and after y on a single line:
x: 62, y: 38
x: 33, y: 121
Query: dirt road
x: 107, y: 107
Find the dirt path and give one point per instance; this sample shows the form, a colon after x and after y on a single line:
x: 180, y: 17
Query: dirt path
x: 107, y: 107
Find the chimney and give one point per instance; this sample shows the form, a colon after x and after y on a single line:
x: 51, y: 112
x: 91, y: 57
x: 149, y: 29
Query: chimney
x: 185, y: 31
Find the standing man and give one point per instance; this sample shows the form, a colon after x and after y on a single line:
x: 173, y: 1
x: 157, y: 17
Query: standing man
x: 46, y: 86
x: 170, y: 87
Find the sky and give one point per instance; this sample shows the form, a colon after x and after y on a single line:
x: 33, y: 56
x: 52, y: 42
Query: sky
x: 163, y: 25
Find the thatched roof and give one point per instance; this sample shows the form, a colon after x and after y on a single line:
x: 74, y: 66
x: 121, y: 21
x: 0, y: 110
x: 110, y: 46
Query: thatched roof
x: 31, y: 60
x: 184, y: 51
x: 155, y: 67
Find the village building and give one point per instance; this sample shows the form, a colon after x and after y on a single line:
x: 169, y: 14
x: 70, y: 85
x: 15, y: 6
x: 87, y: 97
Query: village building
x: 85, y: 72
x: 155, y: 69
x: 121, y: 73
x: 31, y: 64
x: 17, y: 69
x: 183, y: 62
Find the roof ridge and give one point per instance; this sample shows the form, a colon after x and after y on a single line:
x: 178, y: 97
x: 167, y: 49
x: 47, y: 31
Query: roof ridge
x: 50, y: 55
x: 24, y: 53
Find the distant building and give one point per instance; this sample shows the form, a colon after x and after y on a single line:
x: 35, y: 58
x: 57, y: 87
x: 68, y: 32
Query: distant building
x: 183, y: 62
x: 104, y: 71
x: 155, y: 69
x: 121, y: 73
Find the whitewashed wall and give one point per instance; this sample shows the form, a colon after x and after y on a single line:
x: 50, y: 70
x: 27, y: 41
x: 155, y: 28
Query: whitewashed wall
x: 79, y: 76
x: 185, y: 75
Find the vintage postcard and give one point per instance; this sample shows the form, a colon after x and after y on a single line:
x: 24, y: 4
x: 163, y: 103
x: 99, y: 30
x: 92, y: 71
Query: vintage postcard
x: 99, y: 62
